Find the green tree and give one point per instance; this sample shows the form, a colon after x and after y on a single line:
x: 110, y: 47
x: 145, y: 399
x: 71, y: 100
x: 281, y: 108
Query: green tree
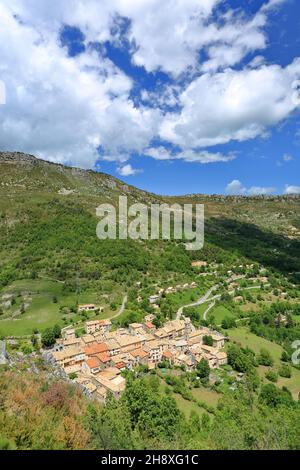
x: 203, y: 369
x: 240, y: 359
x: 48, y: 338
x: 208, y: 340
x: 228, y: 322
x: 273, y: 396
x: 57, y: 331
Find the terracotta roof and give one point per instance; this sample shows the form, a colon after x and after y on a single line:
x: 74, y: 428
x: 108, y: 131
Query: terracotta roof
x: 168, y: 354
x: 149, y: 325
x: 121, y: 365
x: 93, y: 362
x: 104, y: 322
x: 104, y: 357
x: 139, y: 353
x: 96, y: 349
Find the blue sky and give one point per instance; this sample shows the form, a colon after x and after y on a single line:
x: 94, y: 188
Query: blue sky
x: 184, y: 96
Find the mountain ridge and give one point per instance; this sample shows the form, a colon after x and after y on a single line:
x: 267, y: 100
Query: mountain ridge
x: 24, y: 159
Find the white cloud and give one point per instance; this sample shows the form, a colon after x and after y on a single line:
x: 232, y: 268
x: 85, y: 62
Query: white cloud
x: 63, y: 108
x: 287, y: 158
x: 165, y: 35
x: 290, y: 189
x: 257, y: 61
x: 272, y: 4
x: 191, y: 156
x: 237, y: 188
x: 260, y: 190
x: 127, y: 170
x: 232, y: 105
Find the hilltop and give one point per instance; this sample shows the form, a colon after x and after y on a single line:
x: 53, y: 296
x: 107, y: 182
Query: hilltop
x: 21, y: 173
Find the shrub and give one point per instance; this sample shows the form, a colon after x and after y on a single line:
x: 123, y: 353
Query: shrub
x: 265, y: 358
x: 285, y: 371
x: 73, y: 376
x: 271, y: 376
x: 26, y: 349
x: 285, y: 357
x: 228, y: 322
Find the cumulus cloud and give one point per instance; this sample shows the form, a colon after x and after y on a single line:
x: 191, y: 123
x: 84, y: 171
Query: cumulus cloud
x: 64, y: 109
x: 237, y: 188
x: 260, y: 190
x: 127, y: 170
x: 164, y: 35
x: 232, y: 105
x: 191, y: 156
x: 290, y: 189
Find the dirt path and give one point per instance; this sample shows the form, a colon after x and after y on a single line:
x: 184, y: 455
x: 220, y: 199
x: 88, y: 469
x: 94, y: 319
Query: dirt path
x: 121, y: 310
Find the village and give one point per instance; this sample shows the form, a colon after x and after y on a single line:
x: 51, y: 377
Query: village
x: 97, y: 359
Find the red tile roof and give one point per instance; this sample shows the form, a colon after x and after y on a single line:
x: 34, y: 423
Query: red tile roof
x: 104, y: 357
x: 93, y: 362
x: 96, y: 349
x: 104, y: 322
x: 139, y: 353
x: 150, y: 325
x: 168, y: 354
x: 121, y: 365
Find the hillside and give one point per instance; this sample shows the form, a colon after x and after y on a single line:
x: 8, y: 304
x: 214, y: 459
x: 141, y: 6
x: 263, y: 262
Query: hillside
x: 243, y: 283
x: 49, y: 250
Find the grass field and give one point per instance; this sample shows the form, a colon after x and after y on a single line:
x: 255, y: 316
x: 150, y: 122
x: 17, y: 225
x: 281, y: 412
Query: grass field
x: 206, y: 395
x: 245, y: 338
x: 219, y: 313
x: 187, y: 406
x: 202, y: 394
x: 42, y: 312
x: 185, y: 297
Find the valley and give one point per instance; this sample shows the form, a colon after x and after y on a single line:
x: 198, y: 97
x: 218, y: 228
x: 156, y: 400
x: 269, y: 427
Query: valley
x: 244, y: 284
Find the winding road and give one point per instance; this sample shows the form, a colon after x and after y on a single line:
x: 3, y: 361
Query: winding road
x: 119, y: 312
x: 206, y: 297
x: 201, y: 301
x: 122, y: 308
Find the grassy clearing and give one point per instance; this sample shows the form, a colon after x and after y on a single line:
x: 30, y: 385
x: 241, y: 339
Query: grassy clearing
x: 206, y: 395
x: 187, y: 406
x: 202, y: 394
x: 185, y: 297
x: 245, y: 338
x: 219, y: 313
x: 41, y: 311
